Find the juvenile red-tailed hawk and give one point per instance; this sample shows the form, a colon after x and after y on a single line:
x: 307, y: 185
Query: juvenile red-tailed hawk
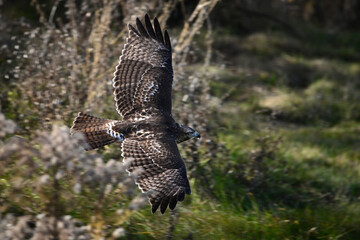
x: 149, y: 134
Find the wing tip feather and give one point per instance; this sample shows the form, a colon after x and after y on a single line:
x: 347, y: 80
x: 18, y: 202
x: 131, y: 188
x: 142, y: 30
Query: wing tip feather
x: 149, y: 27
x: 132, y: 28
x: 158, y: 31
x: 149, y: 30
x: 164, y: 204
x: 141, y: 28
x: 154, y: 205
x: 167, y: 39
x: 167, y: 201
x: 172, y: 203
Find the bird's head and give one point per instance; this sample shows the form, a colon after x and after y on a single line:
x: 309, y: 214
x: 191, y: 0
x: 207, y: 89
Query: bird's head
x: 192, y: 133
x: 186, y: 133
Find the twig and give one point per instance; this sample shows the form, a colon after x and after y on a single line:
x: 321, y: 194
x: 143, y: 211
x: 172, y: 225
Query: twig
x: 40, y: 12
x: 172, y: 221
x: 52, y: 13
x: 209, y: 41
x: 192, y: 27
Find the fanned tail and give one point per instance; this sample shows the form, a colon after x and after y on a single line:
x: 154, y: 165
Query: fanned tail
x: 97, y: 131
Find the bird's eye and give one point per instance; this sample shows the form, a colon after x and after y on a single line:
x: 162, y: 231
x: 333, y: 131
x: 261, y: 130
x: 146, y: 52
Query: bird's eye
x: 143, y: 113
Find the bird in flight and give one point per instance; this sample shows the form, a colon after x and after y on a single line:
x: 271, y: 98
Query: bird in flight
x: 148, y: 132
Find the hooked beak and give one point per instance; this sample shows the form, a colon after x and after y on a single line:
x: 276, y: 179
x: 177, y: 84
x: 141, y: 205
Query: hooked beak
x: 196, y: 135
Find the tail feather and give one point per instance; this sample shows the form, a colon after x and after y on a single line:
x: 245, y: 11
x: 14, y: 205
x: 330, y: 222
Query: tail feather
x: 97, y: 131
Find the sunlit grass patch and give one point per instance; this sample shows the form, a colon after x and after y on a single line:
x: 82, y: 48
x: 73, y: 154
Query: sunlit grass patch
x: 206, y: 220
x: 279, y: 100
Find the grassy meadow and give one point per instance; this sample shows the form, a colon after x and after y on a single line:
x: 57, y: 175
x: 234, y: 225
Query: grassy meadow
x: 278, y: 113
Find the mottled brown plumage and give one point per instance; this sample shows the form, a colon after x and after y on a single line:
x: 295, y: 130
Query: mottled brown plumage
x: 149, y: 134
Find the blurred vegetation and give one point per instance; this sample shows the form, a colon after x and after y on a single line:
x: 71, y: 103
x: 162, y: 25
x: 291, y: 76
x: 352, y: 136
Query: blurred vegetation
x: 272, y: 86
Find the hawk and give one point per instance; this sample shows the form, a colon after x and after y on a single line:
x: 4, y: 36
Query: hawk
x: 148, y: 132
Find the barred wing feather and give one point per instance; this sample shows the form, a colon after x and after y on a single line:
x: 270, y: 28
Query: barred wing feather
x: 144, y: 75
x: 161, y: 170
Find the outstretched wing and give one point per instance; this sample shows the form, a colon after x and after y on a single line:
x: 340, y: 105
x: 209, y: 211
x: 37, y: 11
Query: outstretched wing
x: 144, y: 76
x: 161, y: 170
